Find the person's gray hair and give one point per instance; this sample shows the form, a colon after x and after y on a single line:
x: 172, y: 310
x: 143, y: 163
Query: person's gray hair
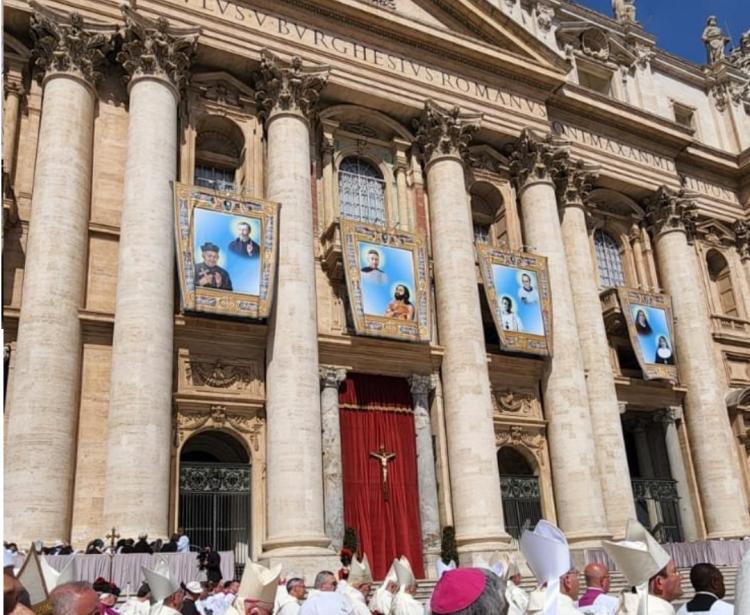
x: 323, y: 577
x: 64, y: 597
x: 292, y: 582
x: 491, y: 600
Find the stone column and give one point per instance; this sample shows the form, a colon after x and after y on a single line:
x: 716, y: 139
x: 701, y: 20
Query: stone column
x: 333, y: 477
x: 14, y: 92
x: 43, y: 413
x: 444, y: 135
x: 429, y: 514
x: 742, y: 239
x: 573, y: 184
x: 156, y: 57
x: 286, y: 94
x: 669, y: 418
x: 402, y: 191
x: 672, y: 216
x: 578, y: 495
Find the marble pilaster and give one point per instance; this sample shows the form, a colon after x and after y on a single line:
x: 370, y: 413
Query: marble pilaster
x: 156, y: 57
x: 444, y: 135
x: 429, y: 513
x: 672, y: 217
x: 578, y: 494
x: 14, y: 91
x: 43, y: 412
x: 333, y: 477
x: 286, y: 93
x: 573, y: 181
x: 669, y: 418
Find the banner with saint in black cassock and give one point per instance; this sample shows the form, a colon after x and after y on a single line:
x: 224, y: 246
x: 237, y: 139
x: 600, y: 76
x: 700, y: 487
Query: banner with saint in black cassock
x: 226, y: 251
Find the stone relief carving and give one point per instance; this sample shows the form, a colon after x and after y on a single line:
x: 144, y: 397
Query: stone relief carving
x: 513, y: 402
x: 520, y: 436
x: 445, y: 132
x: 219, y: 417
x: 574, y: 180
x: 741, y: 230
x: 624, y: 10
x: 383, y: 4
x: 153, y: 47
x: 594, y: 43
x: 288, y: 86
x: 217, y: 374
x: 65, y: 43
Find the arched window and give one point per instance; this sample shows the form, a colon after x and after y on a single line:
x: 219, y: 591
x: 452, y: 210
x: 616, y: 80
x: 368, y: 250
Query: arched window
x: 522, y: 503
x: 361, y: 191
x: 721, y: 280
x: 609, y: 260
x: 486, y: 202
x: 219, y: 146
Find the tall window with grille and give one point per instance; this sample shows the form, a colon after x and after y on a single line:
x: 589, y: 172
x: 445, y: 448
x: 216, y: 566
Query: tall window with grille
x: 609, y: 260
x: 361, y: 191
x: 721, y: 281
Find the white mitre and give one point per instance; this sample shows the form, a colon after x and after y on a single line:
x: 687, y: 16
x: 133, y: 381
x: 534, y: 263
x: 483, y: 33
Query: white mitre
x: 359, y: 572
x: 511, y: 567
x: 548, y: 555
x: 639, y: 557
x: 404, y: 574
x: 161, y: 582
x: 404, y: 603
x: 443, y: 568
x: 258, y: 583
x: 382, y: 599
x: 52, y: 577
x: 497, y: 564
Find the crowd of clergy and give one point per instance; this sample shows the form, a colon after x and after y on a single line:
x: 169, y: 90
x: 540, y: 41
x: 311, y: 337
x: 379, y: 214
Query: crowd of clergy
x: 655, y: 587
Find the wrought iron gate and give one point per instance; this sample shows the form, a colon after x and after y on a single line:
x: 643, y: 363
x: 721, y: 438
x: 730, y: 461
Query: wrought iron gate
x: 522, y: 506
x: 215, y: 506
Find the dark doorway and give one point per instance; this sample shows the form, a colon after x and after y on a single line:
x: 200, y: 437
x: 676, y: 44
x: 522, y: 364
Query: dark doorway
x: 522, y: 504
x: 215, y: 493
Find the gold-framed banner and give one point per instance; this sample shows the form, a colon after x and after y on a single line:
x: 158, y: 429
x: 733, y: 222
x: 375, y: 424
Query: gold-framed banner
x: 649, y: 320
x: 226, y: 251
x: 517, y: 288
x: 388, y: 281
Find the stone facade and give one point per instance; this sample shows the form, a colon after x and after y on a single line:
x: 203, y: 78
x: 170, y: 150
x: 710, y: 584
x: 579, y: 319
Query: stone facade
x: 536, y: 125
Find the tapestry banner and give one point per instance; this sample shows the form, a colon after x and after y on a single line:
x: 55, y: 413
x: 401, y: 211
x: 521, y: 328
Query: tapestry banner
x: 388, y: 281
x: 648, y: 317
x: 517, y: 288
x: 226, y: 251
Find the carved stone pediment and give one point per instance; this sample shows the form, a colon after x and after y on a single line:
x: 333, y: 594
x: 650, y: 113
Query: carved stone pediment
x: 223, y: 89
x: 219, y: 417
x: 596, y: 43
x: 714, y: 233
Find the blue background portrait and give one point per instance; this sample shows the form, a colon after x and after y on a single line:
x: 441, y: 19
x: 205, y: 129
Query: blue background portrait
x: 222, y: 229
x: 657, y: 319
x: 398, y: 265
x: 508, y: 282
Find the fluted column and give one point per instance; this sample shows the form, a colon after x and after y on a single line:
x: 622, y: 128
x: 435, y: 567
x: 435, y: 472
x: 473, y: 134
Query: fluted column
x: 669, y: 418
x: 578, y: 494
x: 156, y: 57
x: 287, y: 93
x: 671, y: 216
x: 573, y: 182
x: 43, y: 413
x: 333, y: 477
x: 444, y: 135
x: 429, y: 513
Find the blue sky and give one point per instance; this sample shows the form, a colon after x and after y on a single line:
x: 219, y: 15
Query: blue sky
x: 678, y: 24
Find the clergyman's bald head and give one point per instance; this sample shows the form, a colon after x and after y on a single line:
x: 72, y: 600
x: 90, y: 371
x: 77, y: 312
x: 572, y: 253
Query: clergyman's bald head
x: 597, y: 575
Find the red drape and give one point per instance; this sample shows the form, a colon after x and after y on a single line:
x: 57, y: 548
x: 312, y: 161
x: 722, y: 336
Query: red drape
x: 376, y: 410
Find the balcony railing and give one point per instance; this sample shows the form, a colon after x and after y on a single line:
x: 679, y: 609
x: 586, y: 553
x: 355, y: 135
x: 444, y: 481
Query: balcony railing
x: 658, y: 507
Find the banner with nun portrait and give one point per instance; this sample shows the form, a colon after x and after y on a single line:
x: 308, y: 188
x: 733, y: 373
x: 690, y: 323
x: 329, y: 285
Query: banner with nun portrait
x: 517, y: 288
x: 226, y: 251
x: 649, y: 320
x: 388, y: 282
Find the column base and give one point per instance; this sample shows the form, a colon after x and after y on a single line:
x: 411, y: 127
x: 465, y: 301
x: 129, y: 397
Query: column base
x: 475, y: 550
x: 587, y: 540
x: 430, y: 559
x: 738, y: 533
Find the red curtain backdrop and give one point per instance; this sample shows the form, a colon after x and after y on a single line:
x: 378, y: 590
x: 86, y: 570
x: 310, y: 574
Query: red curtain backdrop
x: 376, y: 410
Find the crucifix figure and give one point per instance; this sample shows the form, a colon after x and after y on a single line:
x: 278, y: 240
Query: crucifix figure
x: 383, y: 458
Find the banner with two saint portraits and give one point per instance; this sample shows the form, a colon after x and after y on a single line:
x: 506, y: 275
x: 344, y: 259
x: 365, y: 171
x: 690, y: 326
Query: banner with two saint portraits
x: 649, y: 321
x: 516, y: 285
x: 388, y: 281
x: 226, y: 251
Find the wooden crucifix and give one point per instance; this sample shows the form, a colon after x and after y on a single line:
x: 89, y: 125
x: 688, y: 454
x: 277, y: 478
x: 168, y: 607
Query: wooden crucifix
x: 383, y: 457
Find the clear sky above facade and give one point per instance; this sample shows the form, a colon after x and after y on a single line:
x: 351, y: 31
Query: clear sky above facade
x: 678, y: 24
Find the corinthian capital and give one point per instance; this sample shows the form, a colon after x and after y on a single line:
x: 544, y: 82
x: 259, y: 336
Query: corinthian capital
x: 64, y: 43
x: 331, y: 377
x: 420, y: 385
x: 537, y: 159
x: 153, y: 48
x: 288, y: 86
x: 742, y: 238
x: 445, y: 132
x: 668, y: 210
x: 574, y: 179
